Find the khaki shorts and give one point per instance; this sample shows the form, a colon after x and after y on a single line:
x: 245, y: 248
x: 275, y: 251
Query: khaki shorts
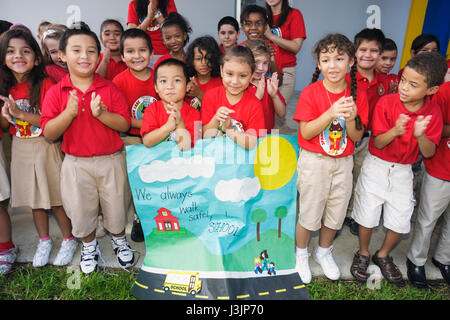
x: 5, y: 188
x: 387, y: 186
x: 86, y: 183
x: 325, y: 187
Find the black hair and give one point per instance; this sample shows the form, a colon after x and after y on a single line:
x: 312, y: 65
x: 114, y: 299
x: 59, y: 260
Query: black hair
x: 171, y: 62
x: 337, y: 41
x: 253, y: 8
x: 135, y: 33
x: 142, y: 8
x: 36, y: 76
x: 4, y: 26
x: 228, y: 20
x: 213, y: 54
x: 285, y: 10
x: 110, y: 21
x: 370, y: 35
x: 176, y: 19
x: 431, y: 65
x: 79, y: 25
x: 78, y: 30
x: 422, y: 40
x: 241, y: 52
x: 389, y: 45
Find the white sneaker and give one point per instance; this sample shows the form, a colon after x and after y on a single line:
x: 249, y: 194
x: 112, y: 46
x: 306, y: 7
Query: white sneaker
x: 42, y: 254
x: 326, y: 261
x: 89, y: 258
x: 7, y: 259
x: 302, y: 266
x: 124, y: 254
x: 66, y: 252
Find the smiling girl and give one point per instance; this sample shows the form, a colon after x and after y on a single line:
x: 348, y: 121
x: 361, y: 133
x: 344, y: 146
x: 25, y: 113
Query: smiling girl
x: 55, y: 67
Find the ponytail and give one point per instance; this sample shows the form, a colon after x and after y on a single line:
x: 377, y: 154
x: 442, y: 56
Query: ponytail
x: 316, y: 75
x: 353, y: 92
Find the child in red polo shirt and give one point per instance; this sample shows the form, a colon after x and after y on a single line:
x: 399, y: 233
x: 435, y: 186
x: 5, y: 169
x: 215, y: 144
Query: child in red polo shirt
x: 386, y: 62
x: 228, y: 33
x: 332, y: 114
x: 111, y: 63
x: 404, y: 124
x: 137, y: 84
x: 231, y: 109
x: 203, y: 63
x: 264, y: 87
x: 434, y: 203
x: 35, y: 162
x: 171, y: 118
x: 88, y: 111
x: 368, y: 44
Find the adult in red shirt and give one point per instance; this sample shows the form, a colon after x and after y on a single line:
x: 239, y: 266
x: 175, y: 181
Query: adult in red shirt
x: 148, y: 16
x: 286, y: 29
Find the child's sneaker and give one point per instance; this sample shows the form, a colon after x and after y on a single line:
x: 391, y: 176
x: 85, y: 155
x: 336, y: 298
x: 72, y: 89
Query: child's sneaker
x: 89, y: 257
x: 66, y: 252
x: 324, y: 257
x: 124, y: 254
x: 302, y: 266
x: 42, y: 254
x: 7, y: 259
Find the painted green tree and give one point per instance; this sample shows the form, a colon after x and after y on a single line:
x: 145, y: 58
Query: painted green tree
x: 258, y: 216
x: 281, y: 213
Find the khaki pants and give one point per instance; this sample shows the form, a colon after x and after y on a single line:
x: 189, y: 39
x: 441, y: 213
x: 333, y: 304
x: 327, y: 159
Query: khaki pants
x: 434, y: 203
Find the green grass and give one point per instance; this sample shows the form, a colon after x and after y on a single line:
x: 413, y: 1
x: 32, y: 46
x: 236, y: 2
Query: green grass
x: 51, y: 283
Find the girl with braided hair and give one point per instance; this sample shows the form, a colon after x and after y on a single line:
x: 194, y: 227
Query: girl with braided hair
x: 332, y: 114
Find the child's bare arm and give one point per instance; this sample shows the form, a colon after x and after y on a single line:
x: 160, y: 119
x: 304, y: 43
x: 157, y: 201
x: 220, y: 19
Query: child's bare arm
x: 446, y: 131
x: 14, y: 111
x: 243, y: 139
x: 222, y: 115
x: 272, y: 90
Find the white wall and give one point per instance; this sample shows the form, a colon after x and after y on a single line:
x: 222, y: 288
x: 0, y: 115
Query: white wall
x: 321, y: 17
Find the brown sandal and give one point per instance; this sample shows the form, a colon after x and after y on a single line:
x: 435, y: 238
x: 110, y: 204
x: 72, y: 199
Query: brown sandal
x: 359, y: 267
x: 388, y: 268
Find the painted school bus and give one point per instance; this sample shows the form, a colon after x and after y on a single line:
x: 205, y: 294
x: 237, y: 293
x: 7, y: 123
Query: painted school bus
x: 180, y: 281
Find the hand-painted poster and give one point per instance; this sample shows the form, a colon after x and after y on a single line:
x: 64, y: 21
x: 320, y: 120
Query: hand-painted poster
x: 218, y: 220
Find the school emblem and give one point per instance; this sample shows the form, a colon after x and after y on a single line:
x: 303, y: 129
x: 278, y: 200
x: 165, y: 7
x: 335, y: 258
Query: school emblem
x: 381, y: 90
x: 333, y: 139
x: 23, y: 128
x: 196, y: 103
x: 139, y: 106
x: 277, y: 32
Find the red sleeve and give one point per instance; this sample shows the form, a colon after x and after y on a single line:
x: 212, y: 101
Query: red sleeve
x: 255, y: 117
x: 171, y: 7
x: 434, y: 128
x: 119, y: 104
x: 132, y: 16
x: 298, y: 29
x: 381, y: 121
x: 209, y: 106
x: 150, y: 119
x: 305, y: 110
x: 51, y: 107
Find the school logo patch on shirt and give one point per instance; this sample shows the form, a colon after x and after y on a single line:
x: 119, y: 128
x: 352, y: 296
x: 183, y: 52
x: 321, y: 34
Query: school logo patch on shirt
x: 381, y: 90
x: 196, y: 103
x: 333, y: 139
x: 23, y: 128
x: 139, y: 106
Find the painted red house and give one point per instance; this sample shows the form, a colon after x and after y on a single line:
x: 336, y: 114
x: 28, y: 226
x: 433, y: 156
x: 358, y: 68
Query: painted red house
x: 165, y: 221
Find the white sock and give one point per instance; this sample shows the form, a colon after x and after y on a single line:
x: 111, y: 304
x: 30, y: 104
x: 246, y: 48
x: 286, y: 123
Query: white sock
x: 92, y: 243
x: 322, y: 251
x: 301, y: 250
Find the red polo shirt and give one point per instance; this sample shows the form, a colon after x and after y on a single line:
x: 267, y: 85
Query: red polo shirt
x: 378, y: 87
x: 156, y: 116
x: 56, y: 72
x: 438, y: 166
x: 114, y: 67
x: 21, y: 94
x: 333, y: 140
x: 268, y: 107
x: 86, y: 136
x: 403, y: 149
x: 139, y: 94
x: 248, y: 111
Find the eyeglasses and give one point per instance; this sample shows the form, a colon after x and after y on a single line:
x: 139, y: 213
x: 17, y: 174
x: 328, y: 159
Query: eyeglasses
x: 254, y: 24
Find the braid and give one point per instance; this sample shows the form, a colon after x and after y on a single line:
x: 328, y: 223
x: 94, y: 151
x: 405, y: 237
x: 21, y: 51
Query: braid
x: 316, y: 75
x: 353, y: 92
